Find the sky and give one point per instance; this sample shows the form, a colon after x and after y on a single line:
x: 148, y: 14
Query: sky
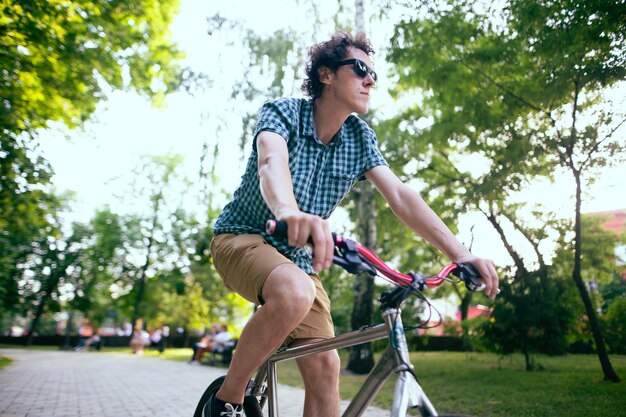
x: 97, y: 161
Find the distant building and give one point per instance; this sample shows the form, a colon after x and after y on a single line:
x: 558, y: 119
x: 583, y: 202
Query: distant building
x: 476, y: 311
x: 615, y: 221
x: 434, y: 328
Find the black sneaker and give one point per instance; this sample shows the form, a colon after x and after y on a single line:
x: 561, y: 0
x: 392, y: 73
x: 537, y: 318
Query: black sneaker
x: 218, y: 408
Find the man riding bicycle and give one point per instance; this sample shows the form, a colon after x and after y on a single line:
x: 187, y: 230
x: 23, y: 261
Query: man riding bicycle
x: 306, y: 156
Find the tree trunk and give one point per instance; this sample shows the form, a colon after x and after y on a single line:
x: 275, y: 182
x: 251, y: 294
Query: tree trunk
x: 359, y: 11
x: 35, y: 323
x: 144, y: 268
x: 49, y: 286
x: 527, y: 359
x: 464, y: 308
x: 607, y: 368
x: 68, y: 333
x: 361, y: 359
x: 142, y: 286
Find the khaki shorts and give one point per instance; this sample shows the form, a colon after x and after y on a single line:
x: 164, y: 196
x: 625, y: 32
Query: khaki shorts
x: 245, y: 261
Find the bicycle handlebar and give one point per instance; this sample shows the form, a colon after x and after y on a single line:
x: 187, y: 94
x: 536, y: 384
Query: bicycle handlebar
x: 356, y: 258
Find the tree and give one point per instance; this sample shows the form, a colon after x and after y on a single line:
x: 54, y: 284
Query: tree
x: 27, y: 214
x: 51, y: 261
x: 600, y: 266
x: 361, y: 359
x: 615, y: 325
x: 157, y: 184
x: 536, y: 312
x: 58, y: 60
x: 513, y: 92
x: 100, y: 265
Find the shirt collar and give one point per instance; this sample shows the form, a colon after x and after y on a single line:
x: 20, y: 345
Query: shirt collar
x: 308, y: 128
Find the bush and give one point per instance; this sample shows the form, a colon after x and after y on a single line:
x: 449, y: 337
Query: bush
x: 615, y: 326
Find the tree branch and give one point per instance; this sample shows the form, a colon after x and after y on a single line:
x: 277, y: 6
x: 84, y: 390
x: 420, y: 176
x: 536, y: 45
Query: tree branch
x: 596, y: 147
x: 517, y: 260
x: 535, y: 245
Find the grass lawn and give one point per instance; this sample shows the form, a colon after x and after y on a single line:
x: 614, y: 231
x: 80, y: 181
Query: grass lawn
x: 4, y: 362
x: 483, y: 384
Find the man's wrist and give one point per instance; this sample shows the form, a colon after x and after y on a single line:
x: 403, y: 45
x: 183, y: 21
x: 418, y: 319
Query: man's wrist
x: 461, y: 256
x: 284, y: 210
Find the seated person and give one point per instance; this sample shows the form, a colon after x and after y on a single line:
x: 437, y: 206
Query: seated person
x: 156, y: 339
x: 94, y: 340
x: 222, y: 340
x: 85, y: 331
x: 205, y: 344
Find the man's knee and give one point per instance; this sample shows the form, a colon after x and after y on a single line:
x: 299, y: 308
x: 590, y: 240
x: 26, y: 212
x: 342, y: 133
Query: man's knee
x: 321, y: 370
x: 289, y: 288
x: 330, y: 363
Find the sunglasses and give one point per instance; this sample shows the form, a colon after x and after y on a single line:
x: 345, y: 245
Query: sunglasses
x: 360, y: 68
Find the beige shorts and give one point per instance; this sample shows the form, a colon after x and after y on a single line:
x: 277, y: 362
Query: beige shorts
x: 245, y: 261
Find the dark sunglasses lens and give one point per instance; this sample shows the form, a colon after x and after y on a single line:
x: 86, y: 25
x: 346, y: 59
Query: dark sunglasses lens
x: 361, y: 70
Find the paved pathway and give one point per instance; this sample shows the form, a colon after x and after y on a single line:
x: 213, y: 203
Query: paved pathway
x: 70, y: 384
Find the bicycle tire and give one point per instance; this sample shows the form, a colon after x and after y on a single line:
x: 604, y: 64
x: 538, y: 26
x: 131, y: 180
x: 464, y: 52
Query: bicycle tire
x: 251, y: 406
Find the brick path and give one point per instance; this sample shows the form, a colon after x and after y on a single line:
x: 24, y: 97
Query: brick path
x: 71, y: 384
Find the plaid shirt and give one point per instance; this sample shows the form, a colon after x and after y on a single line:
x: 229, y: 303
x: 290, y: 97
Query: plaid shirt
x: 321, y: 175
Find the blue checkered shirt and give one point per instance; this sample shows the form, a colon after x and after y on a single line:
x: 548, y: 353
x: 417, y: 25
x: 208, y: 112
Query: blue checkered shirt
x: 321, y: 175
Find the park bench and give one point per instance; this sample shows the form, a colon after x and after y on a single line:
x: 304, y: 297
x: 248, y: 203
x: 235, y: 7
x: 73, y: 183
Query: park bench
x: 224, y: 356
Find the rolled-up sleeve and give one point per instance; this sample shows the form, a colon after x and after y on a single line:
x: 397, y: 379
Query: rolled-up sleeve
x: 276, y: 116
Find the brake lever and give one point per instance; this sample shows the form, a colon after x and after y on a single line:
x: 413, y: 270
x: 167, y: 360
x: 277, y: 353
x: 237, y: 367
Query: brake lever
x: 350, y: 260
x: 469, y: 275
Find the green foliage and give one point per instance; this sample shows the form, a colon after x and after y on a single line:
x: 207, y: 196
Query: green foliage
x: 501, y: 89
x: 540, y: 313
x: 615, y: 326
x: 599, y: 265
x: 339, y: 287
x: 506, y: 87
x: 27, y: 209
x: 58, y: 57
x: 535, y: 313
x: 99, y: 266
x: 598, y: 251
x: 50, y: 263
x: 612, y: 290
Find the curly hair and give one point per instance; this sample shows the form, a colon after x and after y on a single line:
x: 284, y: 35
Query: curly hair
x: 327, y: 54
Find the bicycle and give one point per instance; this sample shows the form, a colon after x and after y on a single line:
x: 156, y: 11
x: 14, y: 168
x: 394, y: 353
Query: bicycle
x: 356, y: 259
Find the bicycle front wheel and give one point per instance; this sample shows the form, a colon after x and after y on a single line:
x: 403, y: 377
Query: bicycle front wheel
x: 251, y: 406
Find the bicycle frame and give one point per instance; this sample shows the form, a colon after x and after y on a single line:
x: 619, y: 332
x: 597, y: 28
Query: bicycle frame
x: 407, y: 393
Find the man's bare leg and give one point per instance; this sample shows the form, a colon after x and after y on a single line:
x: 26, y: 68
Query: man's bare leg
x: 320, y: 373
x: 288, y: 294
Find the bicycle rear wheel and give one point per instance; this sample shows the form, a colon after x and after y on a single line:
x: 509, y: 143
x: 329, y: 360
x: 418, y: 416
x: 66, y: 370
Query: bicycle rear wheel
x: 251, y: 406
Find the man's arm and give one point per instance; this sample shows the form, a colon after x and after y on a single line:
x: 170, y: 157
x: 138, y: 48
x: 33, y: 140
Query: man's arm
x: 277, y: 190
x: 409, y: 207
